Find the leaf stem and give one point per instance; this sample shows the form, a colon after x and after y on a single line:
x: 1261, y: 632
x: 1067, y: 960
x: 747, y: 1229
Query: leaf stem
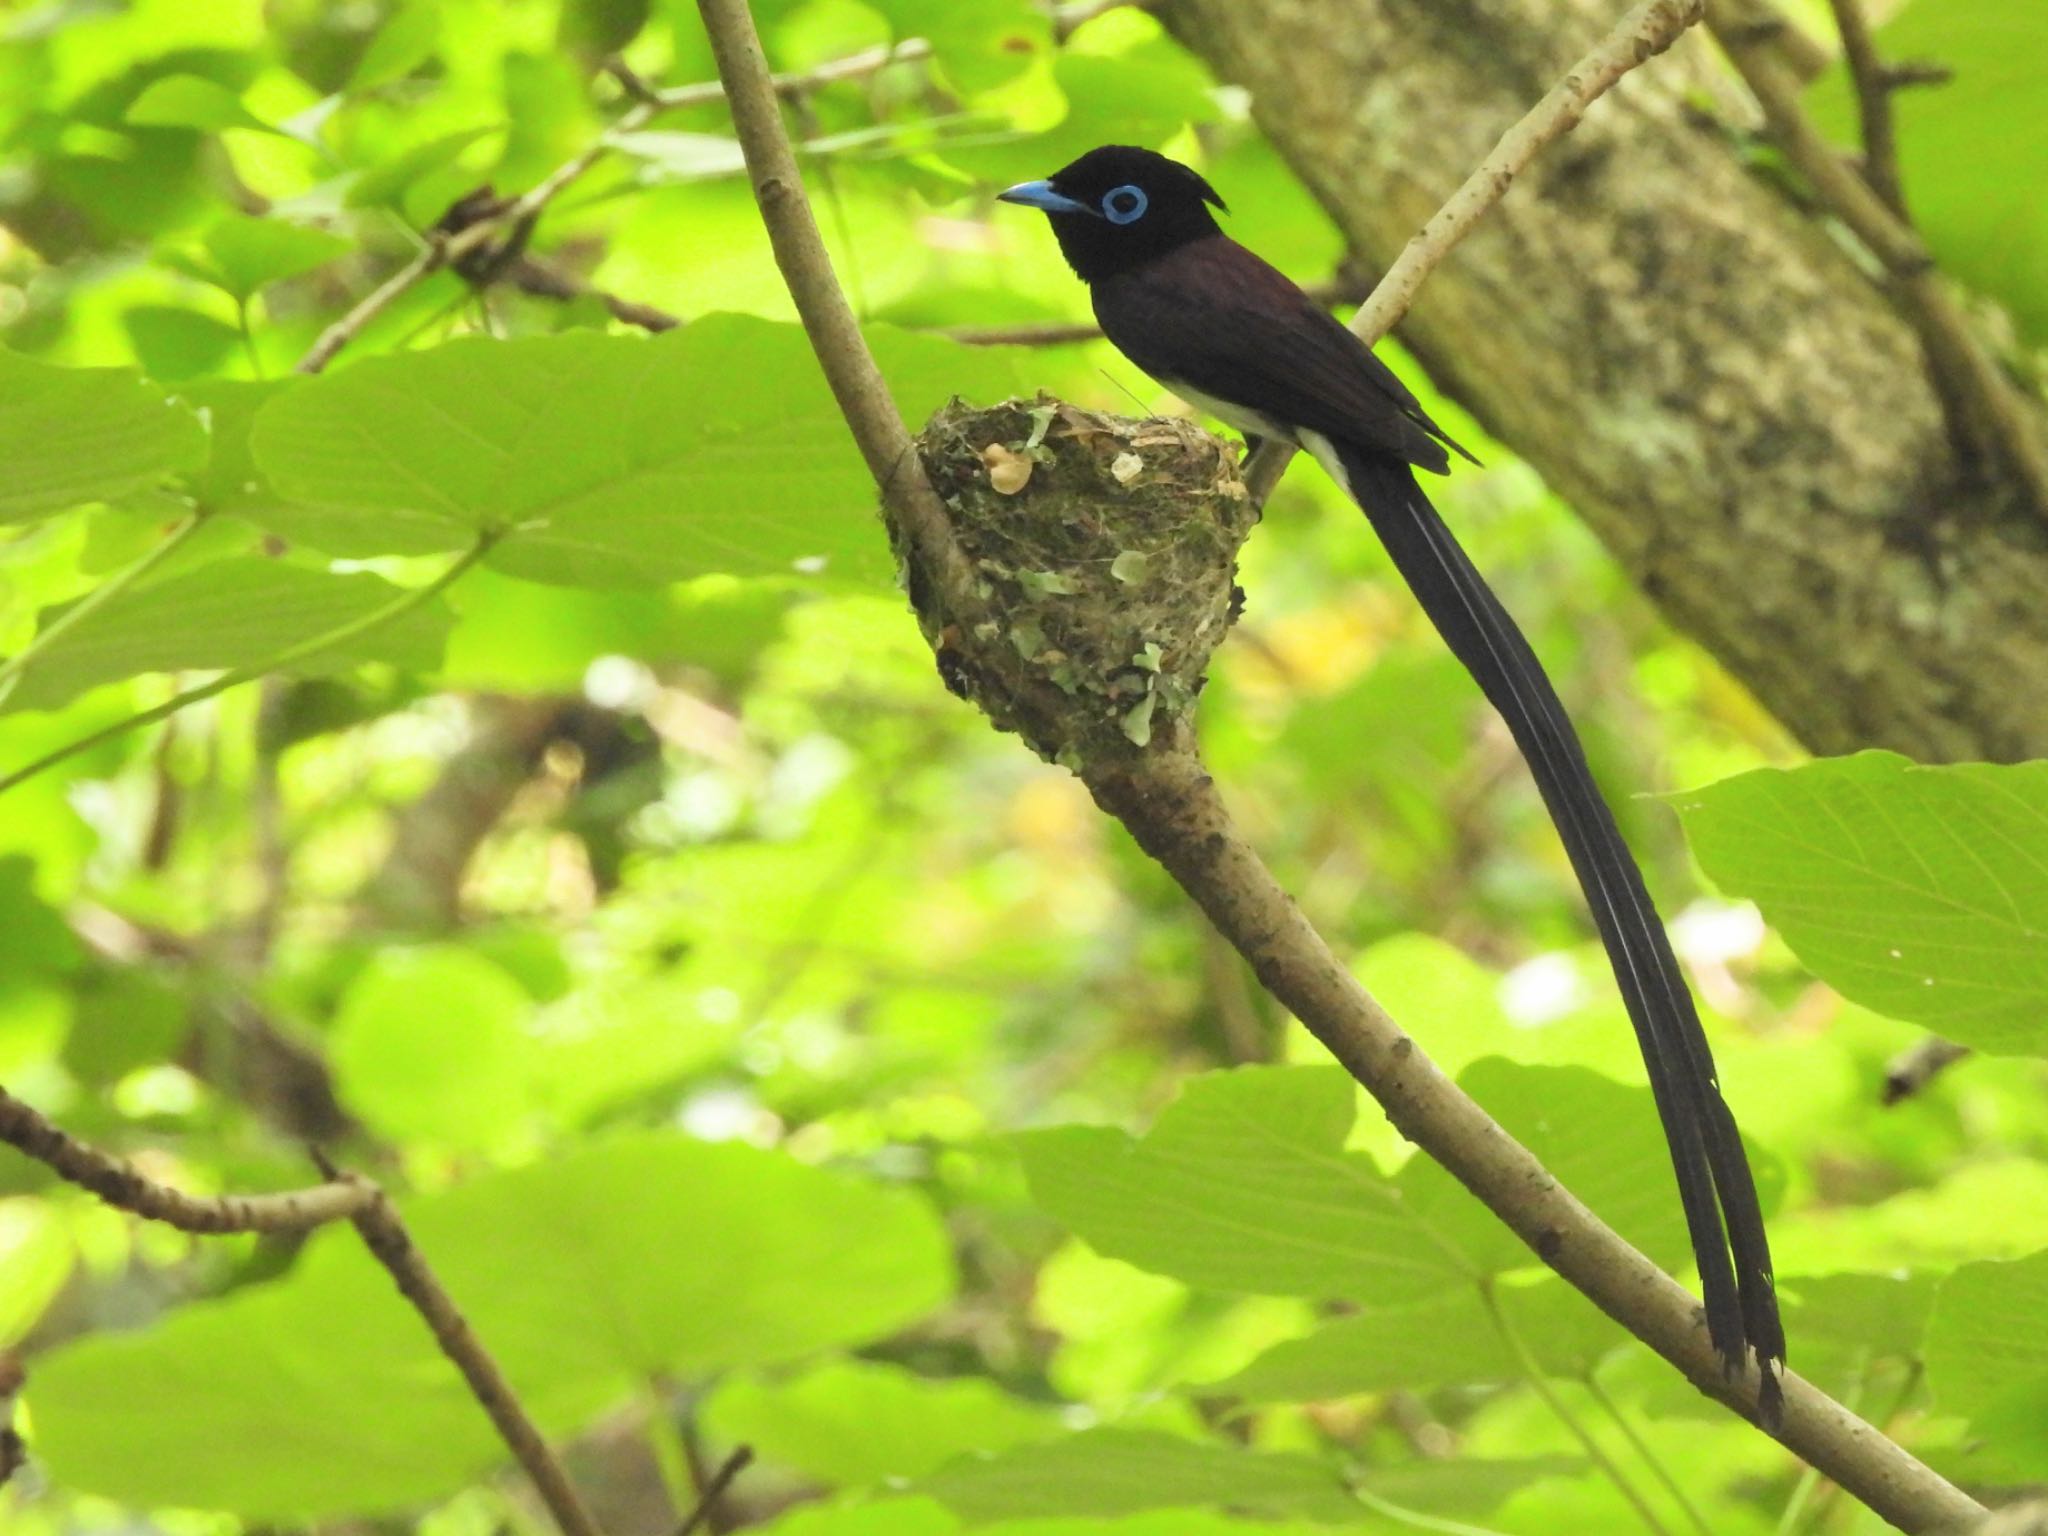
x: 12, y: 669
x: 1532, y: 1372
x: 1658, y: 1467
x: 671, y: 1455
x: 290, y: 657
x: 1402, y: 1515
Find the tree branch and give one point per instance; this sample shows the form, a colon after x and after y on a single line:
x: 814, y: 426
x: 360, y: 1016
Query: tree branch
x: 1640, y: 36
x: 384, y: 1234
x: 1169, y: 803
x: 123, y: 1188
x: 1874, y: 87
x: 1986, y: 414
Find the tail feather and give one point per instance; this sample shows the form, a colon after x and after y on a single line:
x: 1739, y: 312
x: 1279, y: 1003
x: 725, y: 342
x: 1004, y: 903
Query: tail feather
x: 1714, y: 1179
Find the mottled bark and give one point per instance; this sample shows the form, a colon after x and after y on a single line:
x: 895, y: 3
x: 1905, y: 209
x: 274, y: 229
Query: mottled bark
x: 1691, y: 359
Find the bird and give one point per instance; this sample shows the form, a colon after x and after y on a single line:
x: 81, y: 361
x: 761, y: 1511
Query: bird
x: 1236, y: 338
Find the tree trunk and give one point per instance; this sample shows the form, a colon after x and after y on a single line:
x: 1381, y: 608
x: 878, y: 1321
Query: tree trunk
x: 1693, y: 361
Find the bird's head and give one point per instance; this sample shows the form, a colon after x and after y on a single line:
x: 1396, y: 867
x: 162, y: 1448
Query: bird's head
x: 1119, y: 207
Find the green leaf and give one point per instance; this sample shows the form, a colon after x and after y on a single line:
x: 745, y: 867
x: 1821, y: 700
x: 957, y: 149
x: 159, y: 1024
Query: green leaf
x: 1921, y: 893
x: 230, y: 481
x: 385, y: 183
x: 1968, y: 148
x: 173, y: 343
x: 1987, y: 1361
x: 583, y: 1275
x: 713, y: 448
x: 36, y: 1256
x: 1448, y: 1340
x: 430, y: 1046
x: 1244, y: 1184
x: 236, y: 612
x: 852, y: 1422
x: 73, y: 435
x: 192, y: 101
x: 242, y: 254
x: 1108, y: 1472
x: 409, y: 35
x: 1984, y: 1337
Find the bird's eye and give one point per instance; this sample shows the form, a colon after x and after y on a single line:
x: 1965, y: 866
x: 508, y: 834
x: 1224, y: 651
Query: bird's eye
x: 1125, y: 205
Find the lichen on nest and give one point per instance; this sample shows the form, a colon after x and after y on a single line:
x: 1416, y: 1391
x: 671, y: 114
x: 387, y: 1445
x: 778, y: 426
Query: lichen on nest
x: 1105, y: 551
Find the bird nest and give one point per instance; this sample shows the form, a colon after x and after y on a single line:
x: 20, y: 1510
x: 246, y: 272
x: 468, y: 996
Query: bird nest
x: 1104, y: 551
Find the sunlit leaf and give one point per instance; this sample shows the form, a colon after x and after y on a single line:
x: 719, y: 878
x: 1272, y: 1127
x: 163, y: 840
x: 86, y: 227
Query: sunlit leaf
x: 72, y: 435
x: 713, y: 448
x: 1919, y: 892
x: 241, y: 611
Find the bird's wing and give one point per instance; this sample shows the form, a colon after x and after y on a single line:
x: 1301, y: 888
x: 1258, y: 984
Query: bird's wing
x: 1230, y: 326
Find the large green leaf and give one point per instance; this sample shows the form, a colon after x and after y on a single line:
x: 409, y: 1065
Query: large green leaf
x: 430, y: 1045
x: 1987, y: 1360
x: 1448, y: 1340
x: 1919, y: 892
x: 713, y: 448
x: 853, y: 1422
x: 647, y: 1254
x: 1969, y: 149
x: 228, y: 613
x: 1244, y: 1184
x: 1109, y: 1472
x: 72, y: 435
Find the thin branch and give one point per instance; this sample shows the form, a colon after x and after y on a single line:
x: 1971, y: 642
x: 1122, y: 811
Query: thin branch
x: 305, y: 650
x: 1338, y: 290
x: 1986, y: 413
x: 384, y: 1234
x: 714, y: 1490
x: 1644, y: 33
x: 1874, y: 87
x: 448, y: 250
x: 123, y: 1188
x: 12, y: 669
x: 543, y: 282
x: 1165, y: 797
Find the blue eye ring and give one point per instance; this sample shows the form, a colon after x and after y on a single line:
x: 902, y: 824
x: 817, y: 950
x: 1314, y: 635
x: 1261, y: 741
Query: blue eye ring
x: 1125, y: 204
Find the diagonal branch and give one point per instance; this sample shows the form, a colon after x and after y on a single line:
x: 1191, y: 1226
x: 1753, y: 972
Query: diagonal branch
x: 1166, y: 798
x: 384, y: 1234
x: 1640, y: 36
x: 123, y: 1188
x: 343, y: 1197
x: 1987, y: 415
x: 1874, y: 87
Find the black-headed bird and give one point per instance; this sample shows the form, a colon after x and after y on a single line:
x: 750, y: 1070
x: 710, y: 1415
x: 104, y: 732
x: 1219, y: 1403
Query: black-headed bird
x: 1235, y: 337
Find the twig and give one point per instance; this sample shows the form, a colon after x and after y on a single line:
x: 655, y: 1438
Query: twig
x: 1874, y: 87
x: 1644, y: 33
x: 1918, y: 1065
x: 1762, y: 24
x: 733, y: 1465
x: 123, y: 1188
x: 1338, y: 290
x: 286, y: 659
x: 446, y: 250
x: 1985, y: 412
x: 1167, y: 800
x: 384, y: 1234
x: 542, y: 282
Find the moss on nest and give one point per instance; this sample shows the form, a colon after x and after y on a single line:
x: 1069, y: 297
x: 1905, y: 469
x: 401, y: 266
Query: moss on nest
x: 1106, y: 552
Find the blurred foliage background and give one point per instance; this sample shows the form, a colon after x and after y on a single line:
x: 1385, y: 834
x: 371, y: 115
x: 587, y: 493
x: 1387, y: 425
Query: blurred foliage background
x: 770, y: 1053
